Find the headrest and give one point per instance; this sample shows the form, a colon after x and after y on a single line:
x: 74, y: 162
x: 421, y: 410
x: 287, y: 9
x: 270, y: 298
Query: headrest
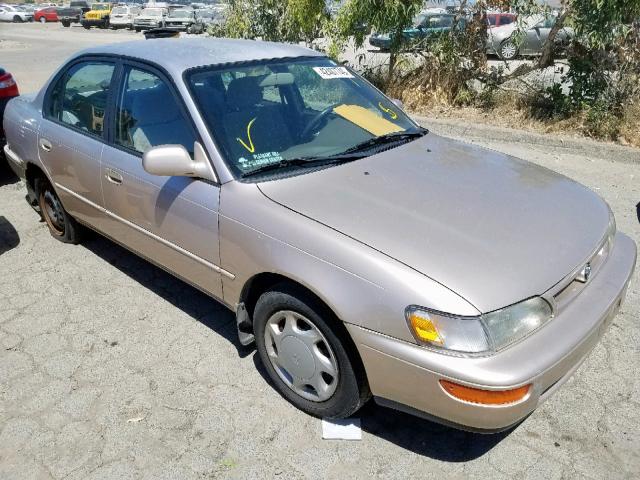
x: 244, y: 92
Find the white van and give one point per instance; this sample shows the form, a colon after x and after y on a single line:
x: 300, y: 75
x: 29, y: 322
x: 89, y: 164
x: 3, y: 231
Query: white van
x: 122, y: 16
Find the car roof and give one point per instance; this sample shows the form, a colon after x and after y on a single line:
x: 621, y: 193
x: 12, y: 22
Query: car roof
x: 178, y: 55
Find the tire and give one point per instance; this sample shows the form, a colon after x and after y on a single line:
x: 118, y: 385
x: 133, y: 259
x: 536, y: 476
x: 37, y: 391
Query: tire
x: 17, y: 19
x: 137, y: 29
x: 87, y: 27
x: 315, y: 339
x: 62, y: 226
x: 508, y: 50
x: 66, y: 24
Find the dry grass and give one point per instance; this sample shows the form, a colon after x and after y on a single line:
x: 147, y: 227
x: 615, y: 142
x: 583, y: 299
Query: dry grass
x: 511, y: 110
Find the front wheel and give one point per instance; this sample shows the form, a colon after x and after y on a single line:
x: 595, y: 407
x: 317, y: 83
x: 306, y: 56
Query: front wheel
x: 508, y: 50
x: 306, y: 354
x: 62, y: 226
x: 43, y: 20
x: 17, y: 19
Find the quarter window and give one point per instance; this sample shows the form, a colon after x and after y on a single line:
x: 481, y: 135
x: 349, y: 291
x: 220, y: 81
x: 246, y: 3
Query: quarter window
x: 80, y: 96
x: 148, y: 115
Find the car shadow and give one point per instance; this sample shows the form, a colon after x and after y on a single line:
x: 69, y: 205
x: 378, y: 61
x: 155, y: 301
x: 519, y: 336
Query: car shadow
x: 415, y: 434
x: 418, y: 435
x: 638, y: 211
x: 191, y: 301
x: 7, y: 177
x: 9, y: 238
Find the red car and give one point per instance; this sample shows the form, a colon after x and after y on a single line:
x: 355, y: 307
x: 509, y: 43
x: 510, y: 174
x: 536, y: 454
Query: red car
x: 8, y: 90
x: 45, y: 15
x: 497, y: 19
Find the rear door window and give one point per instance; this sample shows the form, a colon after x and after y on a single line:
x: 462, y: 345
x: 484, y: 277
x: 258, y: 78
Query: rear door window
x: 79, y: 98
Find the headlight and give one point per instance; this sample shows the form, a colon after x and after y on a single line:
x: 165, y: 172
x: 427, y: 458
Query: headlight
x: 486, y: 333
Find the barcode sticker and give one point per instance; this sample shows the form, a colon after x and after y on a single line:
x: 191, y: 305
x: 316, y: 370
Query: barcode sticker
x: 333, y: 72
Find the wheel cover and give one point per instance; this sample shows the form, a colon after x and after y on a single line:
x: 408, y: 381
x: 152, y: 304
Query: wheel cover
x: 301, y: 355
x: 52, y: 211
x: 508, y: 50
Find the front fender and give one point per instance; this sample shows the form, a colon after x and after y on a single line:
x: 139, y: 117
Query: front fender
x: 361, y: 285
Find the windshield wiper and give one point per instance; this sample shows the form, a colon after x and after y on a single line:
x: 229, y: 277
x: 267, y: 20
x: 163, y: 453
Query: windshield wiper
x: 384, y: 139
x: 349, y: 155
x: 303, y: 162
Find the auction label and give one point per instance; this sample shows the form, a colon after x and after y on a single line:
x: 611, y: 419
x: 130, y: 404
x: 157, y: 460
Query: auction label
x: 333, y: 72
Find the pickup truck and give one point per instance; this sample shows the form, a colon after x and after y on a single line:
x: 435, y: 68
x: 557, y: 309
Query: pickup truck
x: 72, y: 13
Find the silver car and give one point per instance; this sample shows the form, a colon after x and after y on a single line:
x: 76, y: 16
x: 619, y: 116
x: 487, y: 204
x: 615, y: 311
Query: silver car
x: 526, y: 37
x: 362, y: 254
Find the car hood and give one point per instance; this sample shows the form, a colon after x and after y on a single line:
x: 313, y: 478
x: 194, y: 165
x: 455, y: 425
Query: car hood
x: 492, y: 228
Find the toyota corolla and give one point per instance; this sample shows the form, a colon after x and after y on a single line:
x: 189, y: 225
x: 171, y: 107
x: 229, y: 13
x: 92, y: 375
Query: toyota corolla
x: 362, y: 254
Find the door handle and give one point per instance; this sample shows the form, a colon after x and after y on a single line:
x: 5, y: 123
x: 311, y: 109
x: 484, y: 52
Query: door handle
x: 45, y: 144
x: 113, y: 176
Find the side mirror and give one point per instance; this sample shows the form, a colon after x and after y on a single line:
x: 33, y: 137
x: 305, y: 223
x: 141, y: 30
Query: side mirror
x: 398, y: 103
x: 175, y: 161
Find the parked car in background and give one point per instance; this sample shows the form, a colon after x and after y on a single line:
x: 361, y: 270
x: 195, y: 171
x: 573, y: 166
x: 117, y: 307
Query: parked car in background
x: 497, y: 19
x: 8, y: 90
x: 73, y: 13
x: 362, y: 254
x: 152, y: 17
x: 10, y: 13
x: 48, y: 14
x: 426, y: 26
x: 185, y: 20
x: 503, y: 41
x: 123, y: 16
x: 211, y: 16
x: 98, y: 16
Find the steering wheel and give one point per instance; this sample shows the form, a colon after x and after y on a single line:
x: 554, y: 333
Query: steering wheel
x: 317, y: 119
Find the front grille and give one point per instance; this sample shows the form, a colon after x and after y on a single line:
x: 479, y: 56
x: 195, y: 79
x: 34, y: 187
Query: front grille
x: 572, y: 285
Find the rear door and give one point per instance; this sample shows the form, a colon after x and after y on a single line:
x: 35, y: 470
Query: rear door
x: 72, y: 135
x: 172, y: 221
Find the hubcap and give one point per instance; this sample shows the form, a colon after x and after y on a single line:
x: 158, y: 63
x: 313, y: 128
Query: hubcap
x: 53, y: 212
x: 301, y: 355
x: 508, y: 50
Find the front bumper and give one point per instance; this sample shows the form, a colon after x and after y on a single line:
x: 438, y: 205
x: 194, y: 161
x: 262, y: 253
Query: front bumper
x: 405, y: 376
x: 146, y: 25
x: 92, y: 22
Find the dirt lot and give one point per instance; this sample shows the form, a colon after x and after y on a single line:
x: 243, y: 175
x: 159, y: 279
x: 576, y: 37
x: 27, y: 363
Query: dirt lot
x: 111, y: 368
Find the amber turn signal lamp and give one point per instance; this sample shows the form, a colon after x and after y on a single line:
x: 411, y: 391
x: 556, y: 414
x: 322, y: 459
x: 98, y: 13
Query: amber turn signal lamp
x: 485, y: 397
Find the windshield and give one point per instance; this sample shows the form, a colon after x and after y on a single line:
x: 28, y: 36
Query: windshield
x: 181, y: 14
x: 310, y: 108
x: 99, y: 6
x: 419, y: 19
x: 152, y: 12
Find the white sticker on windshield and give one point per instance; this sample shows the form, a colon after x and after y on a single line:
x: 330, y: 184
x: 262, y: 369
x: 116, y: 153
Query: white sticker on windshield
x: 333, y: 72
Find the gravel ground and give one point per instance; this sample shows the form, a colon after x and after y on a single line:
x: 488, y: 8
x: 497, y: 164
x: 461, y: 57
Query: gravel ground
x: 111, y: 368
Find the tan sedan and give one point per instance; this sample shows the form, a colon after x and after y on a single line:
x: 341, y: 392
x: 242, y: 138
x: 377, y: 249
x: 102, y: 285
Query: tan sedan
x: 364, y: 255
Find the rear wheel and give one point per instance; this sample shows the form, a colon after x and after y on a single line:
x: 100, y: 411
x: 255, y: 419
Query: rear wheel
x: 302, y: 347
x: 66, y: 24
x: 43, y: 20
x: 61, y: 225
x: 17, y: 19
x: 508, y: 50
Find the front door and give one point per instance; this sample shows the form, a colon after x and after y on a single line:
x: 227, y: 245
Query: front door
x: 172, y: 221
x: 71, y: 136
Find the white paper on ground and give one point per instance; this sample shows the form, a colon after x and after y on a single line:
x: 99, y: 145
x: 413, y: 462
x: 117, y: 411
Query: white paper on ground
x: 341, y: 429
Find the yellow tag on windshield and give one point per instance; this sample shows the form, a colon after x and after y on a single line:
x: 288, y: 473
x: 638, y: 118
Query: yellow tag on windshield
x: 367, y: 120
